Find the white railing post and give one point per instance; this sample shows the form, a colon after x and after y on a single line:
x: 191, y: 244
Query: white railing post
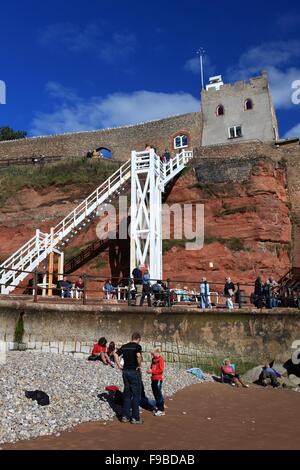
x: 2, y: 352
x: 37, y: 241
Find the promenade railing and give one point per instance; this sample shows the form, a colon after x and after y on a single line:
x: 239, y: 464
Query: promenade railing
x: 173, y: 292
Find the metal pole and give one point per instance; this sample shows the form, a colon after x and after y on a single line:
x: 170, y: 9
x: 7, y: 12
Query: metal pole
x: 84, y: 288
x: 239, y: 295
x: 201, y: 68
x: 168, y: 294
x: 35, y: 279
x: 201, y: 52
x: 129, y: 292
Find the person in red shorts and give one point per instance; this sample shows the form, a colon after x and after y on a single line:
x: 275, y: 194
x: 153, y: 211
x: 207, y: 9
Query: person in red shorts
x: 156, y: 370
x: 99, y: 352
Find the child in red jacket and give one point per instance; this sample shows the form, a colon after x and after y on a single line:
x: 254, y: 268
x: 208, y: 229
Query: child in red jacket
x: 156, y: 370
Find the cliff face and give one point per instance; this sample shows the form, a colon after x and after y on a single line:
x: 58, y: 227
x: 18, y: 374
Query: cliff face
x: 247, y: 219
x: 246, y: 216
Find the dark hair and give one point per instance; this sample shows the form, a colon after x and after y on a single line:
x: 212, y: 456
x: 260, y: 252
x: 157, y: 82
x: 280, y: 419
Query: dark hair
x: 135, y: 336
x: 102, y: 341
x: 111, y: 348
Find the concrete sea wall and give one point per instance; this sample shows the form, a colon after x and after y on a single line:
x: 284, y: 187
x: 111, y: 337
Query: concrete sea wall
x: 186, y: 336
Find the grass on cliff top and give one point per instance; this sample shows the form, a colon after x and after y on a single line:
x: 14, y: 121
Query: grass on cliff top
x: 75, y: 171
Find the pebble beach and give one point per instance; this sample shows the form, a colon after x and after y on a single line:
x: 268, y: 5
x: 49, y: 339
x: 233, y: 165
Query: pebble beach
x: 73, y: 386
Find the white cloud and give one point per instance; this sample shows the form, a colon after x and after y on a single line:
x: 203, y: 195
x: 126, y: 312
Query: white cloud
x: 276, y: 53
x: 56, y: 90
x: 281, y: 85
x: 70, y: 36
x: 279, y: 60
x: 193, y: 65
x: 289, y: 21
x: 117, y: 109
x: 121, y: 46
x: 108, y: 46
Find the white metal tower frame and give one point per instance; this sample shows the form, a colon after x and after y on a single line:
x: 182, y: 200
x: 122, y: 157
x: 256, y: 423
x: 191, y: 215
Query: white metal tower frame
x: 147, y: 185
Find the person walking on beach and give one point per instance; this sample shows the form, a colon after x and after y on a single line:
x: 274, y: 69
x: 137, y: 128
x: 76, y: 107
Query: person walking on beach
x: 156, y: 370
x: 132, y: 356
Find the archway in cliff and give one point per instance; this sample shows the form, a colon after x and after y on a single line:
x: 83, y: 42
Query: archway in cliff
x: 105, y: 152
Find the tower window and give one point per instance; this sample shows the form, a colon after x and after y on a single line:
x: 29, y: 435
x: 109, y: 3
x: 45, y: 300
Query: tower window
x: 220, y: 110
x: 234, y: 132
x: 248, y: 105
x: 180, y: 141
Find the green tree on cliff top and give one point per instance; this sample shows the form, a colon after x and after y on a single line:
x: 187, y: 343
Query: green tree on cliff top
x: 7, y: 133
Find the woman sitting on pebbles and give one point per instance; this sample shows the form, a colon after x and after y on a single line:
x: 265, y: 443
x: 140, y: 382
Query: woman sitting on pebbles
x: 229, y: 374
x: 99, y: 352
x: 112, y: 351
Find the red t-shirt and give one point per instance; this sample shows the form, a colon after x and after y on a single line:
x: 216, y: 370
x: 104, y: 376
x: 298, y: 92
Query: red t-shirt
x: 97, y: 349
x: 79, y: 284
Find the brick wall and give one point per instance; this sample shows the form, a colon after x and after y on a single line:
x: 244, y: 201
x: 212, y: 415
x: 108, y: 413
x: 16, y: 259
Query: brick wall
x: 257, y: 123
x: 120, y: 141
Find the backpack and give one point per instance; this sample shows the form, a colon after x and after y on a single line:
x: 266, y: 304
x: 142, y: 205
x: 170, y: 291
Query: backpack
x: 41, y: 397
x: 156, y: 288
x: 118, y: 398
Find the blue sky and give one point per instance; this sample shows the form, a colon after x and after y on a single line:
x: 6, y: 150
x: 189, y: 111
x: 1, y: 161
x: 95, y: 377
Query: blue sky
x: 74, y: 65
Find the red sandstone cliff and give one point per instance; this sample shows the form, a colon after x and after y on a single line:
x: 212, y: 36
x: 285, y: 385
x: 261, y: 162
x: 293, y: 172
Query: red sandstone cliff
x: 247, y: 221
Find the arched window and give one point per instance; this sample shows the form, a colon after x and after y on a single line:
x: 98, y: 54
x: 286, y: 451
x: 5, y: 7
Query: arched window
x: 248, y: 104
x: 220, y: 110
x: 181, y: 141
x: 104, y: 152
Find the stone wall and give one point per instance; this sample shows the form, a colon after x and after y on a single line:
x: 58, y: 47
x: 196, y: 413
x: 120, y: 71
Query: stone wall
x: 120, y: 140
x: 257, y: 123
x: 185, y: 336
x: 292, y: 162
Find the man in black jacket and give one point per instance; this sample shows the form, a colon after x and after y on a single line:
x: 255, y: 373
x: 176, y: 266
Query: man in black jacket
x: 258, y: 292
x: 132, y: 356
x: 138, y: 282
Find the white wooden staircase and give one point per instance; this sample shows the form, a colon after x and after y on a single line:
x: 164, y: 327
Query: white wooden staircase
x: 23, y: 262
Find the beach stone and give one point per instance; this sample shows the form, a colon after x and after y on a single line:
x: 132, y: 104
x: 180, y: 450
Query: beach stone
x: 252, y: 375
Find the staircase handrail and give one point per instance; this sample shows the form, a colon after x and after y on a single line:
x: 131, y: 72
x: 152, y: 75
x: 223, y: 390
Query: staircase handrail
x: 23, y: 248
x: 106, y: 186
